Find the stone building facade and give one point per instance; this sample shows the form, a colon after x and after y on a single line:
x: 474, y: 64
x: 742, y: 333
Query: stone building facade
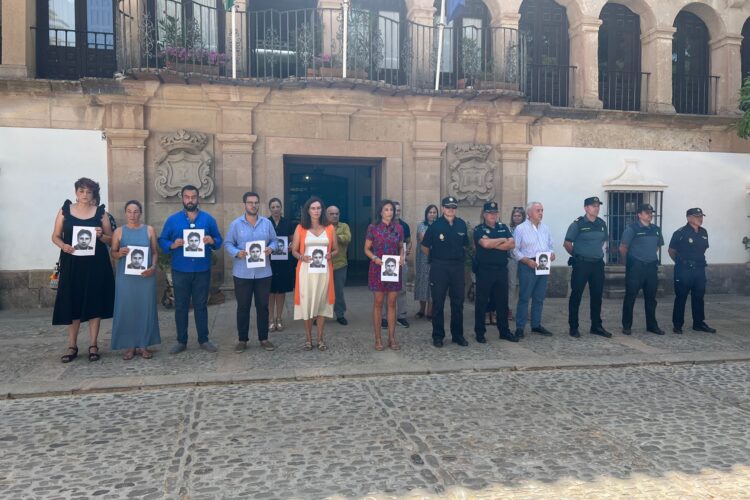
x: 373, y: 139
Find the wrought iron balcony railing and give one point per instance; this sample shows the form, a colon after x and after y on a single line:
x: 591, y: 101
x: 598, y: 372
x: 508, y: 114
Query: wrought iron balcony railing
x: 694, y: 94
x: 289, y: 47
x: 623, y: 90
x: 550, y: 84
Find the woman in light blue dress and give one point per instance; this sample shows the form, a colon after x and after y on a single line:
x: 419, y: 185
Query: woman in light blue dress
x: 136, y: 323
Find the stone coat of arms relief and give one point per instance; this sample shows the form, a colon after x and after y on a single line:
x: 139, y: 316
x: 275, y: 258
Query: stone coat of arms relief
x: 471, y: 173
x: 184, y: 159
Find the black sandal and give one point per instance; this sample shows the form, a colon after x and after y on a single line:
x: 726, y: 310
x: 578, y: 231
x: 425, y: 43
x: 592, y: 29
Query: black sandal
x: 73, y: 354
x: 94, y: 356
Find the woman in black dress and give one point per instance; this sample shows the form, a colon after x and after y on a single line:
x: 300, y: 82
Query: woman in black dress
x: 86, y: 290
x: 282, y: 280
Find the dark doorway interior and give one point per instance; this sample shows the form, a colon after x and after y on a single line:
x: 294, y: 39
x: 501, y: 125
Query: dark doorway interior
x: 350, y: 185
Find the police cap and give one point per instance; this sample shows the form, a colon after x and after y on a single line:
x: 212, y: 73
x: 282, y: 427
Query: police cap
x: 449, y: 202
x: 694, y: 211
x: 490, y: 207
x: 645, y: 207
x: 591, y: 201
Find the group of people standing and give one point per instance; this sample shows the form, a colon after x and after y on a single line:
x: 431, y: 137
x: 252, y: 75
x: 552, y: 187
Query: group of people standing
x: 505, y: 259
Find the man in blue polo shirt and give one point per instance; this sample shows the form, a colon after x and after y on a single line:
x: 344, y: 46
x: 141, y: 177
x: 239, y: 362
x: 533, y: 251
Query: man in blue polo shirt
x: 254, y: 282
x: 191, y: 275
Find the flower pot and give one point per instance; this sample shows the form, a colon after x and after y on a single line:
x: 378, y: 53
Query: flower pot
x: 330, y: 72
x: 189, y: 67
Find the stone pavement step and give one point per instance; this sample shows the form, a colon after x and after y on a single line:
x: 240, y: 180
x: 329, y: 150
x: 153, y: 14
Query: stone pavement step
x: 30, y: 349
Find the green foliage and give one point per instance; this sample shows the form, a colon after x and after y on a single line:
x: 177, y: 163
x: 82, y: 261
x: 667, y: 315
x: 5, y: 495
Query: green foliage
x: 171, y: 33
x: 471, y: 58
x: 743, y: 127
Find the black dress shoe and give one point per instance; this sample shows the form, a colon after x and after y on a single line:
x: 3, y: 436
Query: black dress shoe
x: 519, y: 333
x: 508, y: 336
x: 575, y: 333
x: 677, y: 329
x: 460, y: 341
x: 627, y: 331
x: 403, y: 322
x: 655, y: 330
x: 601, y: 332
x: 437, y: 343
x: 481, y: 339
x: 704, y: 328
x: 342, y: 321
x: 542, y: 331
x: 383, y: 323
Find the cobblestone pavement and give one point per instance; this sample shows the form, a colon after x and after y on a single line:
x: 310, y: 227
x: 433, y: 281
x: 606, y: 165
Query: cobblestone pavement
x: 627, y: 432
x: 30, y: 349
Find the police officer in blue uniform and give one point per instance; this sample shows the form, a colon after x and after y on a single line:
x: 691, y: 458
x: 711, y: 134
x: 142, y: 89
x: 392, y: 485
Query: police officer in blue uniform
x: 492, y: 240
x: 639, y: 249
x: 445, y: 243
x: 687, y: 248
x: 585, y: 242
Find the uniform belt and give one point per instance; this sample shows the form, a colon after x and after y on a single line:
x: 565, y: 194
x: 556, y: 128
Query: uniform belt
x: 691, y: 263
x: 587, y: 259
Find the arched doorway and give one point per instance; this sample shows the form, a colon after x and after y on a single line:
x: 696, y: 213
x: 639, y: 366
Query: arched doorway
x: 548, y: 74
x: 692, y: 85
x: 745, y: 50
x: 620, y: 58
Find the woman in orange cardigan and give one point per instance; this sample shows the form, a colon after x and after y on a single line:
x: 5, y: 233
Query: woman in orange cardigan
x: 313, y: 292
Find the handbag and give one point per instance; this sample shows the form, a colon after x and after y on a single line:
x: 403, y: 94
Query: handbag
x: 54, y: 278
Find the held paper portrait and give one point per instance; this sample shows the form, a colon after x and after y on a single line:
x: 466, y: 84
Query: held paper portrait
x: 256, y: 254
x: 390, y: 269
x: 283, y: 252
x: 136, y: 260
x: 84, y: 240
x: 319, y: 264
x: 193, y: 246
x: 542, y: 263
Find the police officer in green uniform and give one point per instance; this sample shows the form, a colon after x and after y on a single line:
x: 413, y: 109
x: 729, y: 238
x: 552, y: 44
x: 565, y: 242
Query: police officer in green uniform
x: 585, y: 242
x: 444, y: 243
x: 639, y: 249
x: 492, y: 240
x: 688, y: 250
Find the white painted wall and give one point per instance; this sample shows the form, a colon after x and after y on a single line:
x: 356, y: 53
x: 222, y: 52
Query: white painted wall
x: 37, y: 170
x: 561, y: 178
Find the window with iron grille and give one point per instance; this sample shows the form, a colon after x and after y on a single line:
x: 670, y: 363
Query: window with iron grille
x: 622, y: 210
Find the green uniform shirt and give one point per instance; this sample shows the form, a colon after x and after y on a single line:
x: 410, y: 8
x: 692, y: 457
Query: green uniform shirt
x: 344, y: 237
x: 588, y: 237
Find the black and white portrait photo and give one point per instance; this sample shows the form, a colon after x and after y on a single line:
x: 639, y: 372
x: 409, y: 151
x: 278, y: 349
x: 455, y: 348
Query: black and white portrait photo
x: 256, y: 254
x: 542, y: 263
x: 84, y: 240
x: 318, y: 264
x: 390, y: 269
x: 194, y: 246
x: 137, y: 260
x: 282, y: 251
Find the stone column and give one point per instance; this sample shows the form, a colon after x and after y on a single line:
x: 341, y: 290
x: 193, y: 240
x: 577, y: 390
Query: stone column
x: 515, y: 168
x: 422, y: 69
x: 656, y: 50
x: 584, y: 46
x: 19, y: 47
x: 725, y: 63
x: 330, y: 13
x: 428, y: 162
x: 126, y: 169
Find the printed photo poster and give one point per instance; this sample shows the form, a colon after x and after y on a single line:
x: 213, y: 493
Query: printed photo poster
x: 193, y: 245
x: 84, y: 241
x: 390, y: 269
x: 136, y: 261
x: 542, y: 263
x: 283, y: 252
x: 319, y: 264
x: 256, y: 254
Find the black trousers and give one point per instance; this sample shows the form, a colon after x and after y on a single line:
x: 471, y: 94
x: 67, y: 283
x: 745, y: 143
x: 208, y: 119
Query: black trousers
x: 689, y: 280
x: 492, y: 288
x: 244, y: 291
x: 592, y: 273
x: 640, y: 275
x: 447, y: 278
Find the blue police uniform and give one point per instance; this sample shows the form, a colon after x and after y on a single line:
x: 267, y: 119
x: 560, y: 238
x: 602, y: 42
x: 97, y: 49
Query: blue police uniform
x: 588, y: 239
x: 492, y: 278
x: 447, y: 243
x: 641, y: 271
x: 689, y: 248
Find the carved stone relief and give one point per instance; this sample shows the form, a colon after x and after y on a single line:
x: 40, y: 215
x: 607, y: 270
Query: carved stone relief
x: 471, y: 172
x: 185, y: 159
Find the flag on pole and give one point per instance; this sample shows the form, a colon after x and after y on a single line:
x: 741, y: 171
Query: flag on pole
x: 453, y: 9
x: 230, y: 4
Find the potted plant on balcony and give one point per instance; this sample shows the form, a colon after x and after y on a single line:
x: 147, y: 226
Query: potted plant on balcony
x: 185, y: 52
x: 471, y: 62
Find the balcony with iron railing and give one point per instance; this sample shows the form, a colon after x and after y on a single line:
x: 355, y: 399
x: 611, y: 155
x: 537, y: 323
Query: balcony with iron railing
x: 623, y: 90
x: 696, y: 95
x: 308, y: 47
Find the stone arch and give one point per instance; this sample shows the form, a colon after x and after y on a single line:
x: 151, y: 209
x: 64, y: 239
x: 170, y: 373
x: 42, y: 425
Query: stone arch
x: 714, y: 22
x: 640, y: 7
